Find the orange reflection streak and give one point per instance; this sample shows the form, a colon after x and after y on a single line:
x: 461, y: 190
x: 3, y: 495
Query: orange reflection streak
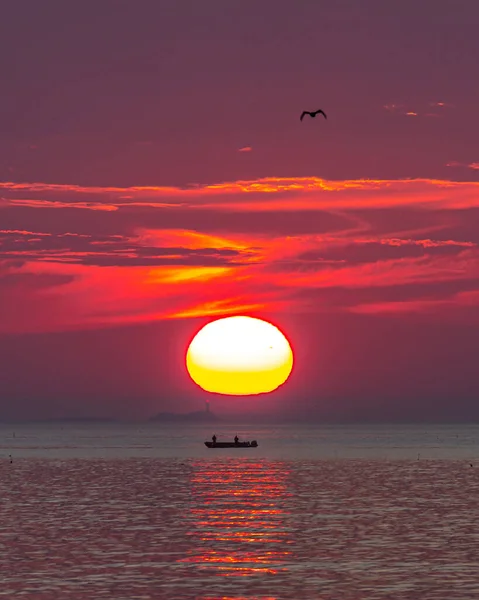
x: 238, y: 518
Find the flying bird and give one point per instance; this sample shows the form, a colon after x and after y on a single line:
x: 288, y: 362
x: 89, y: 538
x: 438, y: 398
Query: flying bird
x: 313, y: 114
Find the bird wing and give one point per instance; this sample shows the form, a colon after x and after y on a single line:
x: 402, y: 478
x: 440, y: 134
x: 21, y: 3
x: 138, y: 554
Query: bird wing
x: 321, y: 112
x: 305, y: 112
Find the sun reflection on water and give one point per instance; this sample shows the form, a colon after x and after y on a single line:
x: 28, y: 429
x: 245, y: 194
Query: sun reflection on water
x: 238, y: 513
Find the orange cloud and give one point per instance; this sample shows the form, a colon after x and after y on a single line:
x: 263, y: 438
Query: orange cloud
x: 140, y: 254
x: 265, y: 193
x: 441, y: 104
x: 401, y: 109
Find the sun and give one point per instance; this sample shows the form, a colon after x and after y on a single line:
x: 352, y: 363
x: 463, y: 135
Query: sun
x: 239, y: 356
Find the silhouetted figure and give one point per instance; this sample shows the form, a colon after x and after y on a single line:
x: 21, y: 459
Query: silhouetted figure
x: 313, y: 114
x: 236, y: 439
x: 214, y: 439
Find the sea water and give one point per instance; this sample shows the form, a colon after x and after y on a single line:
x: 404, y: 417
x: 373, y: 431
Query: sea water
x: 145, y: 511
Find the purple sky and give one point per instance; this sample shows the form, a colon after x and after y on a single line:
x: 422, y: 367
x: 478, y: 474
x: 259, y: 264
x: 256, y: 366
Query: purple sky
x: 375, y: 283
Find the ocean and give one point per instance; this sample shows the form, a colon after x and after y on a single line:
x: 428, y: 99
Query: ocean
x: 146, y: 511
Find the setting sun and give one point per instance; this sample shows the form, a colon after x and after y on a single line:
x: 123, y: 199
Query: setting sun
x: 239, y: 356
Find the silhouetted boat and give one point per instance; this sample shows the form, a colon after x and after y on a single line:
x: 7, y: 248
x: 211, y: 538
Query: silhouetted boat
x: 252, y: 444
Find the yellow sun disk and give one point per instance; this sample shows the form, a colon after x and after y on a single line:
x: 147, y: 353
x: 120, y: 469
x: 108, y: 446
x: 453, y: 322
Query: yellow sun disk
x: 239, y: 356
x: 239, y: 383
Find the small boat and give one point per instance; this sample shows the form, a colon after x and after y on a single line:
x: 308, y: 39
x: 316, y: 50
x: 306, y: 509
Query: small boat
x: 252, y: 444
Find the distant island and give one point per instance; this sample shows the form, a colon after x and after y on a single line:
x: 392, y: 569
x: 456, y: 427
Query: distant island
x: 62, y: 420
x: 199, y: 416
x: 80, y: 420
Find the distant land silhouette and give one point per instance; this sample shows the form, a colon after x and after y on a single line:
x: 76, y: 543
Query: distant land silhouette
x: 79, y: 420
x: 61, y: 420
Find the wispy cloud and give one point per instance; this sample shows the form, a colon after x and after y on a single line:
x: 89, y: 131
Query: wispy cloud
x: 114, y: 250
x: 474, y: 165
x: 265, y: 193
x: 418, y: 111
x: 139, y: 254
x: 245, y: 149
x: 441, y: 104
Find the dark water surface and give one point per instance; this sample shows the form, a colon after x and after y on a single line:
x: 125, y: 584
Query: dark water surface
x: 346, y: 523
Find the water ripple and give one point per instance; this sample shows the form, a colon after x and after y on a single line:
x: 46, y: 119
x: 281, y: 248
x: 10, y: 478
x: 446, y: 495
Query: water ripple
x: 238, y: 529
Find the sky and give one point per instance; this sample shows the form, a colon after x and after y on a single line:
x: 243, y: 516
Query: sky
x: 155, y: 175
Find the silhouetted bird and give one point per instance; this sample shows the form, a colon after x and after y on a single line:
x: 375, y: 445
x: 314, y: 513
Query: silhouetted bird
x: 313, y: 114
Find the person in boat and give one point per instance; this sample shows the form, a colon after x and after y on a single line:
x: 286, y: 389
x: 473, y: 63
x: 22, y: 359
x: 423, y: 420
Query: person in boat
x: 214, y: 439
x: 236, y: 439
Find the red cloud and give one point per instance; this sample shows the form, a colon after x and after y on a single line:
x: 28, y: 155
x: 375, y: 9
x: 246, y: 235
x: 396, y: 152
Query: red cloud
x: 145, y: 253
x: 474, y: 165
